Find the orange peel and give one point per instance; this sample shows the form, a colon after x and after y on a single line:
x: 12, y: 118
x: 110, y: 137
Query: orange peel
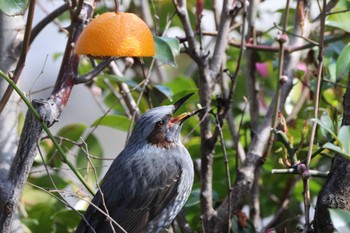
x: 116, y: 35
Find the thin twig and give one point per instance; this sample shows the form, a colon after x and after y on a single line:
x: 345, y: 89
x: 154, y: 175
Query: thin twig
x: 288, y: 49
x: 48, y: 19
x: 94, y: 72
x: 90, y: 163
x: 306, y: 182
x: 291, y: 33
x: 281, y: 40
x: 144, y: 86
x: 337, y: 12
x: 125, y: 92
x: 288, y: 191
x: 47, y: 130
x: 252, y: 88
x: 227, y: 169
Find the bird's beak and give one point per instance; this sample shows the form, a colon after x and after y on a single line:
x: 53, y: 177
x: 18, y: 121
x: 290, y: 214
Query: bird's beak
x: 184, y: 116
x: 180, y: 102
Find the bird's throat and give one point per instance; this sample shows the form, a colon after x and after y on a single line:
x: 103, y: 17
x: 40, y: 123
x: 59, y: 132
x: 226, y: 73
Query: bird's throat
x: 159, y: 140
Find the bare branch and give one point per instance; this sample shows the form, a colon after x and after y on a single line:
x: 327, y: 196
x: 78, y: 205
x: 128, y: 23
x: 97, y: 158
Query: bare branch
x: 228, y: 9
x: 245, y: 176
x: 22, y: 58
x: 32, y: 132
x: 181, y: 9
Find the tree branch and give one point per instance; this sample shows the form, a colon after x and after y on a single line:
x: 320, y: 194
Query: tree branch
x: 22, y: 58
x: 245, y: 176
x: 48, y: 19
x: 49, y: 110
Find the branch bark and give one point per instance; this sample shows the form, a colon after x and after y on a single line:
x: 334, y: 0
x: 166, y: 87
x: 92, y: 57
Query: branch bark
x: 245, y: 175
x: 10, y: 47
x: 11, y: 185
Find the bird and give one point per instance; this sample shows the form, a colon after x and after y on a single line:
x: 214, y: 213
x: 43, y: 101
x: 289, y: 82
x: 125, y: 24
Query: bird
x: 149, y: 182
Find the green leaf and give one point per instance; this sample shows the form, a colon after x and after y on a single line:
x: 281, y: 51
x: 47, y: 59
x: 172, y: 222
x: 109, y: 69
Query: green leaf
x: 119, y: 79
x: 340, y: 219
x: 45, y: 181
x: 193, y: 199
x: 343, y: 62
x: 332, y: 70
x: 165, y: 91
x: 336, y: 149
x: 68, y: 218
x: 340, y: 20
x: 344, y: 138
x: 113, y: 121
x: 167, y: 49
x: 72, y: 132
x: 325, y: 127
x: 13, y: 7
x: 178, y: 84
x: 94, y: 149
x: 327, y: 123
x: 57, y: 55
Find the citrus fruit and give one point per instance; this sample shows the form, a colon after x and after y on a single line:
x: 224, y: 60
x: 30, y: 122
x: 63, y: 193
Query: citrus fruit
x: 116, y: 35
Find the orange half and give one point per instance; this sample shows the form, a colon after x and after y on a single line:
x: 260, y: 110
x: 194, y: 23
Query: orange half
x: 116, y: 35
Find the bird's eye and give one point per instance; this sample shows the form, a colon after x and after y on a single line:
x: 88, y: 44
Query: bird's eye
x: 160, y: 123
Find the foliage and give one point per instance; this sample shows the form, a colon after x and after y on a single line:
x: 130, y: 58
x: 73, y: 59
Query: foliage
x: 340, y: 219
x: 15, y: 7
x: 44, y: 205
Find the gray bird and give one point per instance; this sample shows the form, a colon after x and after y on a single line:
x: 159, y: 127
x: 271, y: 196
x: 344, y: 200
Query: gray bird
x: 149, y: 181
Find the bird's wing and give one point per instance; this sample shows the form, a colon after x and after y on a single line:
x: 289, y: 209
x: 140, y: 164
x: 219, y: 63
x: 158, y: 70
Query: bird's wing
x: 135, y: 192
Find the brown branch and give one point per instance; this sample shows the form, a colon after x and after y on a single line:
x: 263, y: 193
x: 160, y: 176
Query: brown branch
x: 251, y: 58
x: 48, y: 19
x: 205, y: 90
x: 49, y: 110
x: 281, y: 39
x: 287, y: 49
x: 23, y: 55
x: 94, y: 72
x: 127, y: 97
x: 229, y: 9
x: 245, y: 175
x: 253, y: 98
x: 306, y: 181
x: 181, y: 9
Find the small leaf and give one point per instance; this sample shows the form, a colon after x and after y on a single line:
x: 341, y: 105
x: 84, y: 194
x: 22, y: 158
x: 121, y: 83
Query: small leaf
x: 178, y: 84
x: 340, y: 20
x: 46, y: 181
x: 167, y: 49
x: 336, y: 149
x: 325, y: 126
x: 340, y: 219
x: 113, y: 121
x: 344, y: 138
x: 193, y: 199
x: 57, y: 55
x: 343, y: 62
x: 67, y: 218
x: 13, y: 7
x: 72, y: 132
x: 165, y: 91
x: 328, y: 123
x: 118, y: 79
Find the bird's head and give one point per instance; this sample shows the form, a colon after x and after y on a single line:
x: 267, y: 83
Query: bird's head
x: 159, y: 126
